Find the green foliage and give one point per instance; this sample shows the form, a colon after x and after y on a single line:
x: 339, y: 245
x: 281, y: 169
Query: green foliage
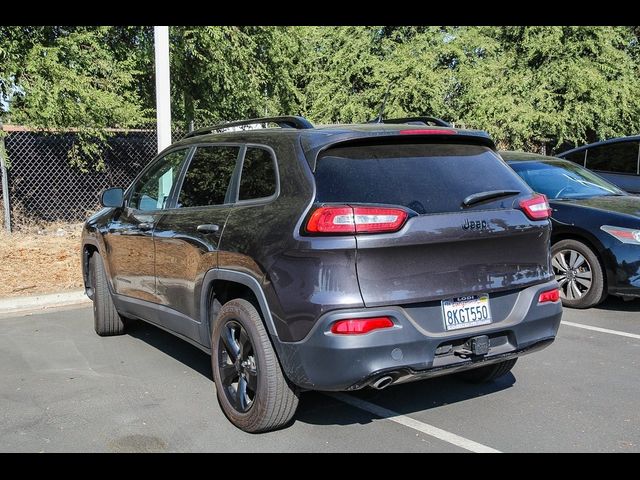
x: 229, y: 73
x: 58, y: 77
x: 528, y: 86
x: 533, y: 86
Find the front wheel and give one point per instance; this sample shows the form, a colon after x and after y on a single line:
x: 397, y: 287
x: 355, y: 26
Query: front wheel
x: 251, y: 388
x: 579, y: 274
x: 106, y: 319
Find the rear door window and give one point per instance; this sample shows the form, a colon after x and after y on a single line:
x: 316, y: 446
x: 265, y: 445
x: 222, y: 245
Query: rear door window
x: 619, y: 157
x: 208, y: 178
x: 427, y: 178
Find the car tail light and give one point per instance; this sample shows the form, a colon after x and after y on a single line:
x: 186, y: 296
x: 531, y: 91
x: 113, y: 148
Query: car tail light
x: 537, y: 207
x: 549, y: 296
x: 625, y: 235
x: 358, y: 326
x: 427, y: 131
x: 345, y: 219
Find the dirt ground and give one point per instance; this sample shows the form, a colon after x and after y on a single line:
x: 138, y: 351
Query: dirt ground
x: 40, y: 260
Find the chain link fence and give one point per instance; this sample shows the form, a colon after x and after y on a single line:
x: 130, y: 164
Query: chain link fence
x: 43, y: 184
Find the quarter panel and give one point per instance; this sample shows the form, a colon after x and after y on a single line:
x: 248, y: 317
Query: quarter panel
x: 302, y: 277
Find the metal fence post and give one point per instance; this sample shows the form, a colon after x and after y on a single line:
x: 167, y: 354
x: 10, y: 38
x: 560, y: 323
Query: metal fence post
x: 5, y: 184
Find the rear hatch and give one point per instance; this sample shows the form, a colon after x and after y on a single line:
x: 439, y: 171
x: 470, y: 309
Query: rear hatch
x: 445, y: 248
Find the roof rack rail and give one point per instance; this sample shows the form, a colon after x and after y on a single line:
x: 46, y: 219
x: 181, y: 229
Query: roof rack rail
x: 416, y: 121
x: 299, y: 123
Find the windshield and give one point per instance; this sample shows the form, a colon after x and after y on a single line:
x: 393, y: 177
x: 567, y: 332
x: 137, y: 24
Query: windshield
x: 559, y: 179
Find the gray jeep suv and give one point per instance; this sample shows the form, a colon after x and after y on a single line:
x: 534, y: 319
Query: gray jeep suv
x: 327, y: 258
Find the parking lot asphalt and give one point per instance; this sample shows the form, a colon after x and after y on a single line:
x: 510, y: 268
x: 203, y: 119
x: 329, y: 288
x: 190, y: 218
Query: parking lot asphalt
x: 64, y: 389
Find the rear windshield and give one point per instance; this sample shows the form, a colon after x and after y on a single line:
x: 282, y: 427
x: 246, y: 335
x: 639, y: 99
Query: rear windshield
x: 427, y: 178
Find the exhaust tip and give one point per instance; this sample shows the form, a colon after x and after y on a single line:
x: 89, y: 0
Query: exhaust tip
x: 382, y: 382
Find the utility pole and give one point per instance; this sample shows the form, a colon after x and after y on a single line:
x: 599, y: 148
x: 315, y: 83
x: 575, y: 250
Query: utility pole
x: 163, y: 86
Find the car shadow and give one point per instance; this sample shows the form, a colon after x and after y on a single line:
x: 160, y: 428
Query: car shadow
x: 171, y: 345
x: 317, y: 408
x: 617, y: 304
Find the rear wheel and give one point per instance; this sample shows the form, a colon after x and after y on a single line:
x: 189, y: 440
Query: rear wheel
x: 488, y: 373
x: 252, y: 390
x: 106, y: 319
x: 579, y: 273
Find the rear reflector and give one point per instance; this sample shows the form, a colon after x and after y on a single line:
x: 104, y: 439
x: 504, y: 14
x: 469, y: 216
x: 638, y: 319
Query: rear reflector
x: 344, y: 219
x: 549, y: 296
x: 357, y: 326
x: 537, y: 207
x: 428, y: 131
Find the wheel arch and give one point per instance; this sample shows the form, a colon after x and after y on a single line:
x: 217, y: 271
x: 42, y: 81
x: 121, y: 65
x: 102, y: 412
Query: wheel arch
x: 594, y: 244
x: 88, y: 249
x: 229, y: 284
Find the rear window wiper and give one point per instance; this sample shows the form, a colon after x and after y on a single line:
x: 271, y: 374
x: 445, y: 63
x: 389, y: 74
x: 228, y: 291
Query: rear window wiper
x: 491, y: 194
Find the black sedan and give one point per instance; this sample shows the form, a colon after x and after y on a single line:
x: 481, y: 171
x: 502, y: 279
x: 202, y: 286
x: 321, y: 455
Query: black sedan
x: 596, y: 229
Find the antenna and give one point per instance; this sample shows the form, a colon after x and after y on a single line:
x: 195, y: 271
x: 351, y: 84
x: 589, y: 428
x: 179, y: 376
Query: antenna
x: 384, y: 102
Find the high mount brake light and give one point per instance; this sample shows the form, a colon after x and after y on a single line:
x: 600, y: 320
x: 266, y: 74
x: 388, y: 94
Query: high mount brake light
x: 428, y: 131
x: 345, y: 219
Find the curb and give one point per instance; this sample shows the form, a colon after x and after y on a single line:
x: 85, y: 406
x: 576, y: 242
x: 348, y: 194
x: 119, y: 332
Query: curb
x: 41, y: 302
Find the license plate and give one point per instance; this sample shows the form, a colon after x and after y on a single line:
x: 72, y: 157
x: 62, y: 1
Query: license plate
x: 465, y: 312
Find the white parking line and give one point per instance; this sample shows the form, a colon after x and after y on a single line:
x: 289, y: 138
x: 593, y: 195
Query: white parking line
x: 602, y: 330
x: 430, y: 430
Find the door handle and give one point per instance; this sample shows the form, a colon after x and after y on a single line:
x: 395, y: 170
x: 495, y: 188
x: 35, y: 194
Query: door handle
x: 144, y: 226
x: 208, y: 228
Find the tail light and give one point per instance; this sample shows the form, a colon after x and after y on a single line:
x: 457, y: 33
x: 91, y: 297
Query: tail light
x: 537, y: 207
x: 625, y: 235
x: 344, y: 219
x: 549, y: 296
x: 358, y: 326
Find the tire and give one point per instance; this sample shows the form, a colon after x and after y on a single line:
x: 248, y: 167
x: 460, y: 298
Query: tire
x: 106, y: 320
x: 266, y: 401
x: 579, y: 273
x: 488, y: 373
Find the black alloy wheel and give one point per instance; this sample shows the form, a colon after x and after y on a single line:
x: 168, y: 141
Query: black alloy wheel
x: 237, y: 366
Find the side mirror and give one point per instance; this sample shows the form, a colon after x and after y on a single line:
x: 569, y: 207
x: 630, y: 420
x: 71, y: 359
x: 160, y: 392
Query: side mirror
x: 112, y: 198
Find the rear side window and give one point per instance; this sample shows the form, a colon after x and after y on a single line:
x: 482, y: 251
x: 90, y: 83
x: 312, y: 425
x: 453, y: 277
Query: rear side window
x: 575, y: 157
x: 615, y: 157
x: 208, y: 177
x: 258, y: 179
x: 427, y: 178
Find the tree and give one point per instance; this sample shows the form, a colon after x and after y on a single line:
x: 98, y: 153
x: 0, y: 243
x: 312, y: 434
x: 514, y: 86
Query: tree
x: 229, y: 73
x: 80, y: 77
x: 535, y: 86
x: 530, y: 87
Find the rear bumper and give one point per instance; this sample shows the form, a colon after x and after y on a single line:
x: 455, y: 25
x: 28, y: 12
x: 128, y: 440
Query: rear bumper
x: 416, y: 347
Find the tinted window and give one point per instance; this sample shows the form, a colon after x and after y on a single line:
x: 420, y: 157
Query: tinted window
x: 428, y: 178
x: 575, y: 157
x: 208, y: 177
x: 152, y: 190
x: 615, y: 157
x: 258, y: 178
x: 564, y: 180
